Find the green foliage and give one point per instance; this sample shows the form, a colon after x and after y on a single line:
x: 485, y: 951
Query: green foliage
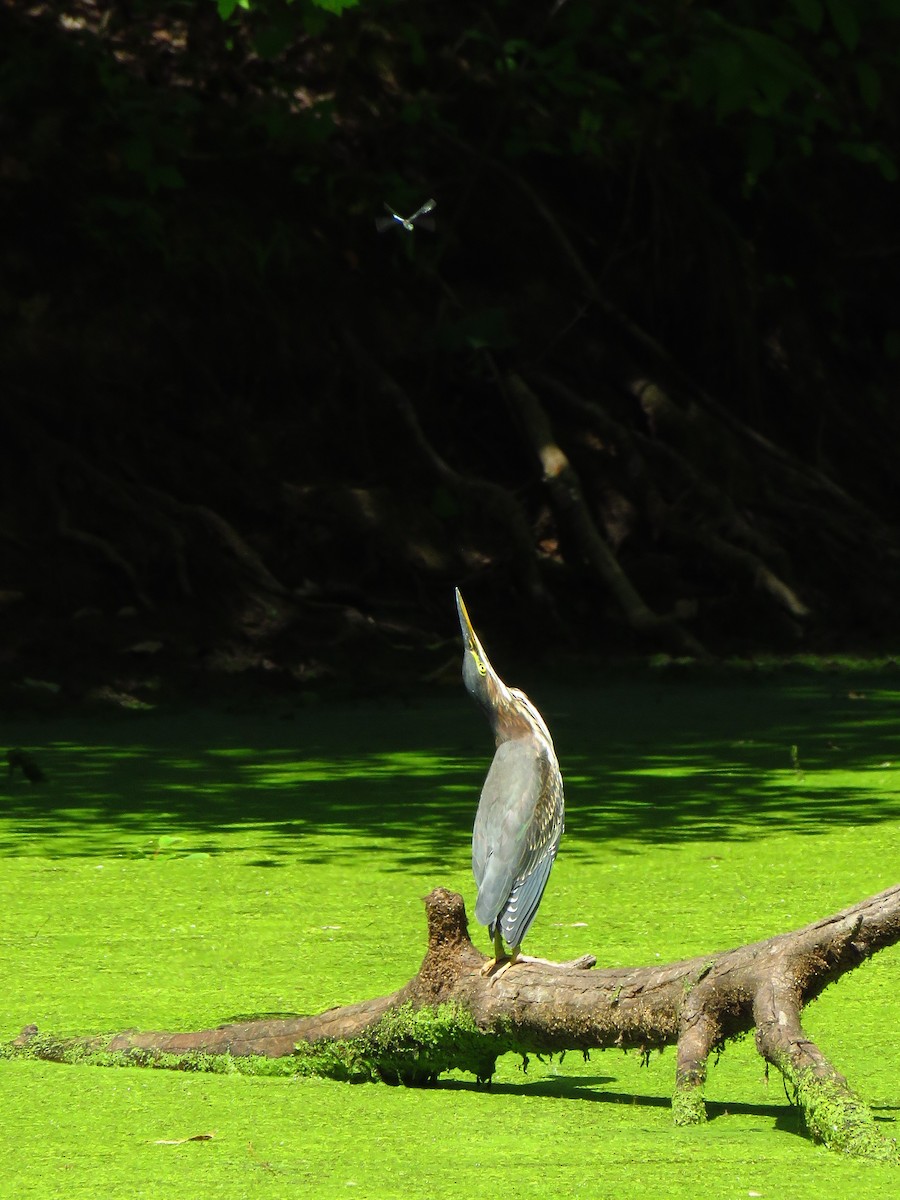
x: 287, y: 16
x: 228, y: 7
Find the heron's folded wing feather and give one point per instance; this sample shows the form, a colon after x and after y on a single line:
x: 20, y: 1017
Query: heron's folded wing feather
x: 509, y: 833
x: 542, y: 843
x: 522, y: 906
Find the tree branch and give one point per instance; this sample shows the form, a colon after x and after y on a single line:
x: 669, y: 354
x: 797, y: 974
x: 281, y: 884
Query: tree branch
x: 450, y: 1016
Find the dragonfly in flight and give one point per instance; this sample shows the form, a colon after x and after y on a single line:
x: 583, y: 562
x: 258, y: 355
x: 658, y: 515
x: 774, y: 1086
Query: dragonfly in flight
x: 419, y: 220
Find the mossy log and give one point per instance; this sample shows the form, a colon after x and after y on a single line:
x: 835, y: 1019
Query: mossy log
x: 451, y: 1016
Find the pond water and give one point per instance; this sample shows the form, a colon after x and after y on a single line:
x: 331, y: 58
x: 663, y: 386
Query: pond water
x: 180, y: 869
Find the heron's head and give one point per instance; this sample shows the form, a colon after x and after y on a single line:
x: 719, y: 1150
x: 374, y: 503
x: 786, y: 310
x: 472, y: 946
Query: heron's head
x: 509, y: 711
x: 481, y: 680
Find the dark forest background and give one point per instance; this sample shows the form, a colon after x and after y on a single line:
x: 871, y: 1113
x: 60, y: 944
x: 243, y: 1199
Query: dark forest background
x: 637, y: 393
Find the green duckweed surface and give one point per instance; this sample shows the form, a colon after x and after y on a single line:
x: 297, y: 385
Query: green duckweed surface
x: 178, y: 871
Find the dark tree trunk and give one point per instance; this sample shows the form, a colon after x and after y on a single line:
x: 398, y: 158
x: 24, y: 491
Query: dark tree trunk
x: 451, y: 1016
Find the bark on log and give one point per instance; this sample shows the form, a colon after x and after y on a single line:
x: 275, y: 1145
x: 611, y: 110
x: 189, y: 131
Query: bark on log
x: 450, y: 1016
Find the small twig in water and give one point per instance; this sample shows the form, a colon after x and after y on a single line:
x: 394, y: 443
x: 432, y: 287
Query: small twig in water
x: 795, y: 763
x: 266, y: 1166
x: 195, y: 1137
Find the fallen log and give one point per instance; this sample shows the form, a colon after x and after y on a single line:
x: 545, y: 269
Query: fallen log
x: 451, y: 1016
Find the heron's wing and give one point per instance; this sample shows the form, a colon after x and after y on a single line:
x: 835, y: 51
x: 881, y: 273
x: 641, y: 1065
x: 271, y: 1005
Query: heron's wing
x: 525, y: 898
x: 516, y: 835
x: 542, y: 843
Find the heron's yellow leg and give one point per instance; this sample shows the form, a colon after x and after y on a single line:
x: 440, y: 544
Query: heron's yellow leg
x: 499, y: 956
x: 511, y: 960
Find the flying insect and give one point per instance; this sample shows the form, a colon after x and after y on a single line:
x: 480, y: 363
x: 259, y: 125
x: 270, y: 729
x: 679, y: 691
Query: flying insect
x: 419, y: 220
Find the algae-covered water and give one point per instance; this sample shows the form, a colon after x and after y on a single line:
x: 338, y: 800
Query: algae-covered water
x: 177, y: 871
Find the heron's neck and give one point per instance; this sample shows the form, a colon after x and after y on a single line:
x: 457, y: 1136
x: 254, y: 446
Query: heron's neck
x: 517, y: 717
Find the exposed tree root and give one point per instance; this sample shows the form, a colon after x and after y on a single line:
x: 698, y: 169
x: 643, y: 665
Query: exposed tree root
x: 450, y: 1016
x: 742, y: 552
x: 574, y: 515
x: 222, y: 532
x: 106, y: 551
x: 147, y: 509
x: 492, y: 499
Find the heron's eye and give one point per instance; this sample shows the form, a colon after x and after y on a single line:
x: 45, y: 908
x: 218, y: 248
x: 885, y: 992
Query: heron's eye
x: 482, y: 669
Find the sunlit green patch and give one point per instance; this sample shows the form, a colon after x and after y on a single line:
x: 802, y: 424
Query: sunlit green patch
x: 174, y: 872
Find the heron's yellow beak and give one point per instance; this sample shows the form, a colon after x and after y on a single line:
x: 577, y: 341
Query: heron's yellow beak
x: 470, y: 637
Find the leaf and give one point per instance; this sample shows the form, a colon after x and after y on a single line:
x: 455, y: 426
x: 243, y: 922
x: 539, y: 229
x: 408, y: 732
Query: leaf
x: 271, y: 40
x: 869, y: 85
x: 810, y: 13
x: 164, y: 176
x: 720, y: 75
x: 760, y: 148
x: 42, y: 685
x: 780, y: 58
x: 481, y: 329
x: 227, y: 7
x: 335, y: 6
x: 872, y: 152
x: 887, y: 165
x: 413, y: 39
x: 845, y: 22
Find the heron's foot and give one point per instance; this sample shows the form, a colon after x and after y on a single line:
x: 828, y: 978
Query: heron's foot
x: 492, y: 964
x: 498, y: 966
x: 503, y: 968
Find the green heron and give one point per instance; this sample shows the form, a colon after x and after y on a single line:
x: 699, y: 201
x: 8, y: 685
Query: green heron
x: 521, y: 810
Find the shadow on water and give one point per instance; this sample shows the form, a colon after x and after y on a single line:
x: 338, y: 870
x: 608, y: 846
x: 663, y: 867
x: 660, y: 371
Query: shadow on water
x: 593, y: 1089
x: 649, y: 761
x: 786, y: 1117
